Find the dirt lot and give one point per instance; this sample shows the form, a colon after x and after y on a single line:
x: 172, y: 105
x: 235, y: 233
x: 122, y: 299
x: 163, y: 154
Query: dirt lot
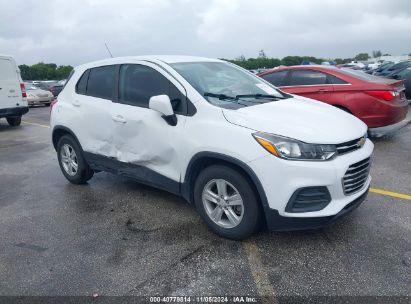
x: 117, y: 237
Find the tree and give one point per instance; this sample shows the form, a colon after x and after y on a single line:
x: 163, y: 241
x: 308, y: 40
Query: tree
x: 45, y: 71
x: 376, y: 54
x: 362, y: 57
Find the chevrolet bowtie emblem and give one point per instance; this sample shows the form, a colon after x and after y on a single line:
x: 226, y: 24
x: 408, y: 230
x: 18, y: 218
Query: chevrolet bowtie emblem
x: 361, y: 142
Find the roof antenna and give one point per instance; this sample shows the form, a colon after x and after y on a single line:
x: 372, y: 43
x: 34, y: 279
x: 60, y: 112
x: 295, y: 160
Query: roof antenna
x: 108, y: 50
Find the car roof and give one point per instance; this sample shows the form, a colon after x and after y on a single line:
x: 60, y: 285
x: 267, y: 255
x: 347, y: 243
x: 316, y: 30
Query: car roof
x: 169, y: 59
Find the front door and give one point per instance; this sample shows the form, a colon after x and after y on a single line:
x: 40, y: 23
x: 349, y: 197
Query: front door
x: 142, y: 138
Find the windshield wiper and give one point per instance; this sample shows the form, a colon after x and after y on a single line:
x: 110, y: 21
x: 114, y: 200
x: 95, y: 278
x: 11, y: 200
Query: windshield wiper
x: 259, y: 96
x: 219, y: 96
x: 224, y: 97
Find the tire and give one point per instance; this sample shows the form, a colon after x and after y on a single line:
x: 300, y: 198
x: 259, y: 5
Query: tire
x: 66, y: 146
x: 14, y: 121
x: 249, y: 213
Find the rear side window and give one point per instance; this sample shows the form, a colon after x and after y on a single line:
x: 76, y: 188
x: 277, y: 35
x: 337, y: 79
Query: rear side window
x: 335, y: 80
x: 101, y: 82
x: 307, y: 77
x: 276, y: 78
x: 138, y: 83
x: 81, y: 86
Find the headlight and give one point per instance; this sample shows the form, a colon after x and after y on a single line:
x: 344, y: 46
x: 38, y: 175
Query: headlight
x: 292, y: 149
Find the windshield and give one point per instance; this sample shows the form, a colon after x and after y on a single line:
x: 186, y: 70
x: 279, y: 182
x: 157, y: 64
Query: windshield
x: 225, y: 85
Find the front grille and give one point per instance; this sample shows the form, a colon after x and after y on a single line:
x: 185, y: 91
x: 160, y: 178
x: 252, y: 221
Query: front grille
x: 349, y: 146
x: 356, y: 176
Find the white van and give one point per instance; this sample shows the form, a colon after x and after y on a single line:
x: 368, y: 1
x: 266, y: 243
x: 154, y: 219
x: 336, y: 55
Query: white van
x: 13, y: 97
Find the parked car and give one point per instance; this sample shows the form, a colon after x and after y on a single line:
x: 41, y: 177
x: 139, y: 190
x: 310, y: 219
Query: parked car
x: 377, y: 101
x: 380, y: 68
x: 404, y: 74
x: 13, y: 97
x: 395, y: 67
x: 37, y: 96
x: 222, y: 138
x: 53, y: 87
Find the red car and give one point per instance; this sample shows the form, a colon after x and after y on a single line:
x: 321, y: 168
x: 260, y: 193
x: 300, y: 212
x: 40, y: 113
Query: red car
x: 378, y: 102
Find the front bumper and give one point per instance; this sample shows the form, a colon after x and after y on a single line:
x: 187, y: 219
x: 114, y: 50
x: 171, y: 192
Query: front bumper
x: 281, y: 223
x: 280, y: 179
x: 10, y: 112
x: 387, y: 130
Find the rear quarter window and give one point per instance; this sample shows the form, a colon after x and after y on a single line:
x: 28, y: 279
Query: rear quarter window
x: 81, y: 86
x: 307, y: 77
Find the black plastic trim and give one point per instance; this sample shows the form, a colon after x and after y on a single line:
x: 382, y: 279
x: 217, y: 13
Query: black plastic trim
x: 186, y: 186
x: 10, y: 112
x: 66, y: 130
x: 141, y: 174
x: 277, y: 222
x: 309, y: 199
x: 170, y: 119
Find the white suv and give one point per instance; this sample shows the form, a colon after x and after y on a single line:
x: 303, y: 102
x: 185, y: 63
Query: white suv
x: 243, y: 152
x: 13, y: 96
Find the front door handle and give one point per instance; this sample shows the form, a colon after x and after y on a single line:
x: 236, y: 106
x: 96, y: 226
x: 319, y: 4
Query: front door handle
x: 322, y: 91
x: 119, y: 119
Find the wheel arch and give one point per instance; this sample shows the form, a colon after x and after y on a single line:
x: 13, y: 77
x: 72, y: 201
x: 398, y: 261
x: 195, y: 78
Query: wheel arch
x: 204, y: 159
x: 60, y: 131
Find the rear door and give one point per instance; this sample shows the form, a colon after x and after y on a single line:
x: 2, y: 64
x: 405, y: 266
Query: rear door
x: 310, y: 84
x: 10, y: 92
x: 91, y: 110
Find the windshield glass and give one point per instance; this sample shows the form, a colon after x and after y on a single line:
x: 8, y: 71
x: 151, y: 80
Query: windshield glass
x: 228, y: 82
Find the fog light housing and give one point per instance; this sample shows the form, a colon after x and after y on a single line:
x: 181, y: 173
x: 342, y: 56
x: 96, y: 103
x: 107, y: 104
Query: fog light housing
x: 308, y: 199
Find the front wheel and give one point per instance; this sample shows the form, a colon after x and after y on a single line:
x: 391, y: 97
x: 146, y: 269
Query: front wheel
x: 14, y: 121
x: 72, y: 162
x: 227, y: 202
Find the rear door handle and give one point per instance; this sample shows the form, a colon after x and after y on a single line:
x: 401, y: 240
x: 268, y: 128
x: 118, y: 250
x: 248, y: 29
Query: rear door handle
x: 322, y: 91
x: 119, y: 119
x: 76, y: 103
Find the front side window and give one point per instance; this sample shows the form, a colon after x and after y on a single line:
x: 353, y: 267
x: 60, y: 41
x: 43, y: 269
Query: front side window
x: 307, y: 77
x: 101, y: 82
x: 224, y: 82
x: 276, y: 78
x: 138, y: 83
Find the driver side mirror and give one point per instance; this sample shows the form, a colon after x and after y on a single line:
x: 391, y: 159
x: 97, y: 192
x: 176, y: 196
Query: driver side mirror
x: 396, y: 76
x: 162, y: 104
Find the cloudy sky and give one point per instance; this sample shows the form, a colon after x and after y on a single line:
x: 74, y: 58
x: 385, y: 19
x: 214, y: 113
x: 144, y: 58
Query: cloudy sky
x: 74, y: 31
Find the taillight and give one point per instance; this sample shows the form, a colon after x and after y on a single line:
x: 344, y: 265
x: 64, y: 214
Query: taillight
x: 23, y: 90
x: 385, y: 95
x: 53, y: 102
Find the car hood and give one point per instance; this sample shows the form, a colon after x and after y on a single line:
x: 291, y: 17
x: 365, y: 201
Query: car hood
x: 300, y: 118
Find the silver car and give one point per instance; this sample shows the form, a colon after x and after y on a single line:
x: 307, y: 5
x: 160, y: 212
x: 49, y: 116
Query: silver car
x: 36, y: 96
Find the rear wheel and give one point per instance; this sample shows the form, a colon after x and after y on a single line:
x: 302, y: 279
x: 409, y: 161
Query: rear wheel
x: 227, y: 202
x: 72, y: 162
x: 14, y: 121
